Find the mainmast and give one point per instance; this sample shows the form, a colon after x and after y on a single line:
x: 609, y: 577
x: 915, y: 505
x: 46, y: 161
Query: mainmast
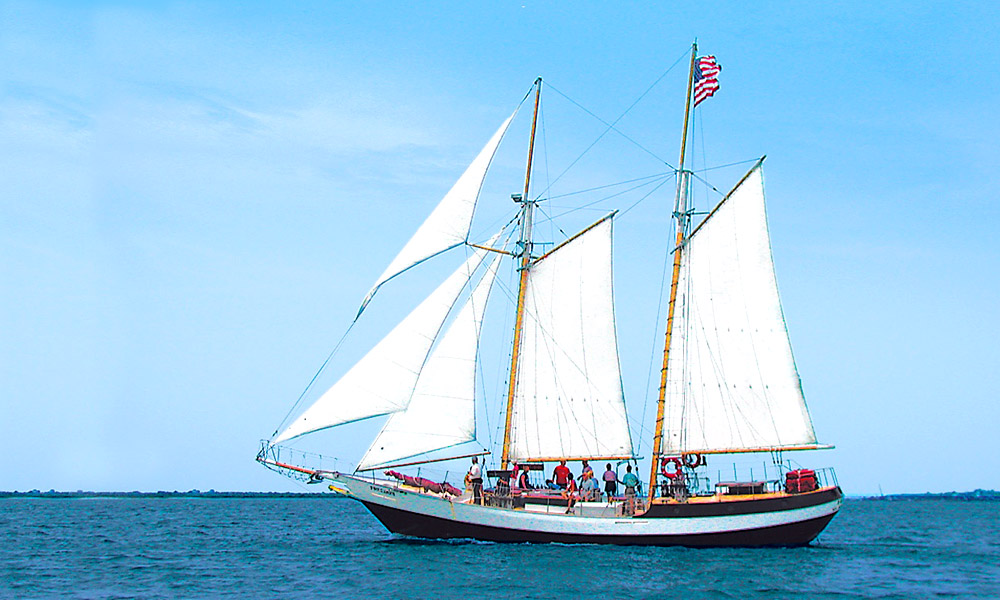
x: 683, y: 218
x: 524, y: 246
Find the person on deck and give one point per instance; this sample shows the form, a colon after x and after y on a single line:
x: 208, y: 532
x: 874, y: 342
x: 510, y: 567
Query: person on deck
x: 475, y: 477
x: 588, y: 487
x: 610, y: 482
x: 570, y: 493
x: 631, y: 482
x: 503, y: 484
x: 561, y: 475
x: 586, y: 469
x: 515, y: 477
x: 523, y: 482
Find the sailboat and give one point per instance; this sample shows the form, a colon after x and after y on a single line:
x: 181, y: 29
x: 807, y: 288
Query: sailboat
x: 728, y: 384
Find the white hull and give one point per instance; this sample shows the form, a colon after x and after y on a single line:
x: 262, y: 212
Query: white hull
x: 779, y: 521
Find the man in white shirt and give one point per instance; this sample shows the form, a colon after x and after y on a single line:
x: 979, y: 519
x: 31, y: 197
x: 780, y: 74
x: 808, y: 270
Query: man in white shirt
x: 475, y: 477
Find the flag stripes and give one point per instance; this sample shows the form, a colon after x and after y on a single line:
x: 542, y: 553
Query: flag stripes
x: 706, y: 78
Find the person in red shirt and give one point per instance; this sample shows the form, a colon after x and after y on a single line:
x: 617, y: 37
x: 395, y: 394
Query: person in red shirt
x: 561, y: 474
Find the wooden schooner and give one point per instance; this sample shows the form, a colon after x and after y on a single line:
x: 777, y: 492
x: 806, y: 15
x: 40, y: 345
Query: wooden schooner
x: 728, y: 384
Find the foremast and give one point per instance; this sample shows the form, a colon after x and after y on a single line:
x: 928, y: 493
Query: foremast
x: 683, y: 218
x: 524, y: 247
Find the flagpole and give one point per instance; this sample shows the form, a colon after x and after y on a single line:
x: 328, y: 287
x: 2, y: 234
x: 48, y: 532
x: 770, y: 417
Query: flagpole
x: 683, y: 219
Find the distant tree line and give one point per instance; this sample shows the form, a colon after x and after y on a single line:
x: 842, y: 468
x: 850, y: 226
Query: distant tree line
x: 164, y: 494
x: 989, y: 495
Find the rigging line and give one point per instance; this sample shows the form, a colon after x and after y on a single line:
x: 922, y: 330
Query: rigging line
x: 601, y: 187
x: 610, y: 127
x: 548, y: 183
x: 667, y: 177
x: 492, y: 432
x: 492, y: 225
x: 705, y: 181
x: 479, y: 363
x: 545, y: 149
x: 531, y: 88
x: 742, y: 162
x: 647, y: 195
x: 551, y: 220
x: 656, y: 334
x: 704, y: 153
x: 314, y: 378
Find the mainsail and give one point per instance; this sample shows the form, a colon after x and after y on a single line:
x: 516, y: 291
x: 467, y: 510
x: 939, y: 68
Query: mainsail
x: 731, y: 380
x: 442, y: 412
x: 568, y: 400
x: 448, y: 226
x: 382, y: 382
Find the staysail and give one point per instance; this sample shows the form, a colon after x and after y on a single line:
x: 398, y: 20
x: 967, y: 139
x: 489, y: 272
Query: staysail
x: 568, y: 400
x: 382, y: 382
x: 442, y: 412
x: 448, y: 225
x: 731, y: 378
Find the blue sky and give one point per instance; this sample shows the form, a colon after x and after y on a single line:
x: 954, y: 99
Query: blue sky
x: 194, y: 198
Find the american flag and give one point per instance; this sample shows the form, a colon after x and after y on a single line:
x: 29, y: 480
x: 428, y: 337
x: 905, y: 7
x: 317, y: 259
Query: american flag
x: 706, y: 78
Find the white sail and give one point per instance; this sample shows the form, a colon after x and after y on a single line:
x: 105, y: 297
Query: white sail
x: 448, y: 225
x: 731, y: 379
x: 442, y: 412
x: 568, y: 399
x: 382, y: 382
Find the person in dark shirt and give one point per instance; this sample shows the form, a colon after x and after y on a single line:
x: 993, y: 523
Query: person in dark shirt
x: 503, y: 484
x: 523, y: 482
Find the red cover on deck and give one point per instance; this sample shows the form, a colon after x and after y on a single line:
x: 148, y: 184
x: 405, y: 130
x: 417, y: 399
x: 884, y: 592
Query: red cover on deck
x: 799, y: 473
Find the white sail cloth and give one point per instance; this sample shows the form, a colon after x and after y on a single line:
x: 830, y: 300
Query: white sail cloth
x: 731, y: 379
x: 382, y: 382
x: 442, y: 412
x: 448, y: 225
x: 568, y: 400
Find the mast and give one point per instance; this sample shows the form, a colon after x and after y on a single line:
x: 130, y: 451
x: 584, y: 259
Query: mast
x: 683, y: 219
x: 527, y: 210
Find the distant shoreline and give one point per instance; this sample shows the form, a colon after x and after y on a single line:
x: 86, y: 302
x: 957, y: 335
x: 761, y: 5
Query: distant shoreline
x: 165, y: 494
x: 988, y: 495
x: 976, y: 495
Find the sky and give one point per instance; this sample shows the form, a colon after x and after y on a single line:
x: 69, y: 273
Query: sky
x: 195, y: 197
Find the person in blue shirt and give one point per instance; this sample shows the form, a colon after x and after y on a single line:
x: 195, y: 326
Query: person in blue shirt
x: 631, y: 483
x: 589, y: 486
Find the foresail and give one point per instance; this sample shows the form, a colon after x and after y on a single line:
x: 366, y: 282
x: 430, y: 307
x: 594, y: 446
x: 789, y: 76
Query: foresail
x: 731, y: 379
x: 382, y: 382
x: 442, y: 412
x: 448, y: 225
x: 568, y: 400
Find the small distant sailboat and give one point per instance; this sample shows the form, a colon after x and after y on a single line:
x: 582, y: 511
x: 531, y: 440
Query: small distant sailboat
x: 728, y: 385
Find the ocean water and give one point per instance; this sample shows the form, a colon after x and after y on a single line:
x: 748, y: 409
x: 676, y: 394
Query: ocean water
x: 333, y: 548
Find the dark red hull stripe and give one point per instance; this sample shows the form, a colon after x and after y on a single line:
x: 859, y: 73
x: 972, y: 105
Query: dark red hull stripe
x: 744, y: 507
x: 424, y: 526
x: 717, y: 509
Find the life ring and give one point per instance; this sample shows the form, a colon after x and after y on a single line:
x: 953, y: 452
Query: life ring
x: 693, y: 461
x: 677, y: 473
